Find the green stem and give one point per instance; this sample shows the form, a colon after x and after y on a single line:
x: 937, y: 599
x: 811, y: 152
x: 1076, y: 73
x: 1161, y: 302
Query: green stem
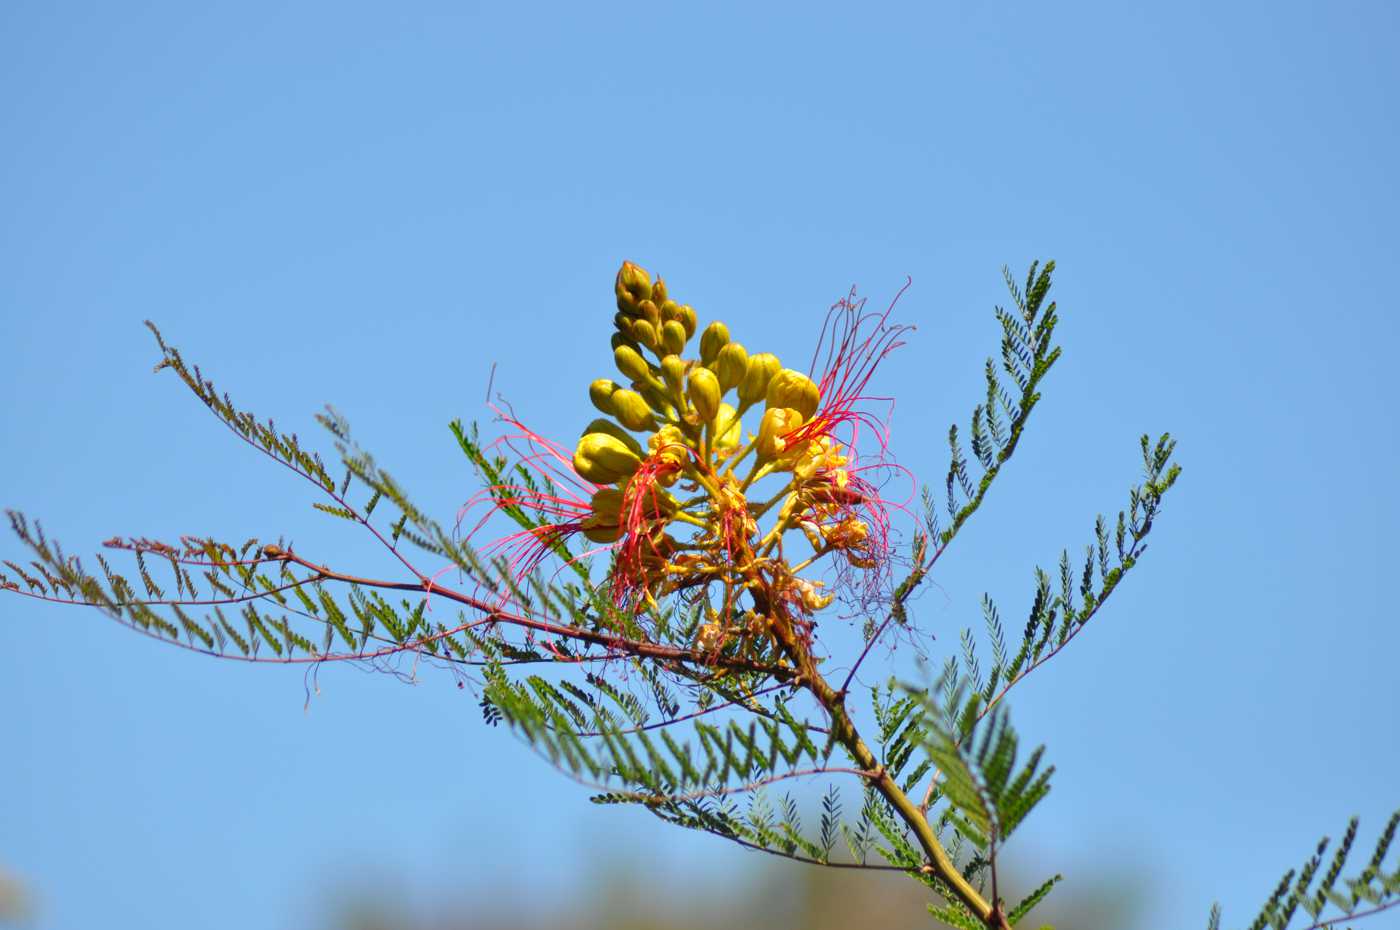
x: 758, y: 471
x: 817, y: 555
x: 843, y: 729
x: 768, y: 504
x: 729, y: 468
x: 684, y: 517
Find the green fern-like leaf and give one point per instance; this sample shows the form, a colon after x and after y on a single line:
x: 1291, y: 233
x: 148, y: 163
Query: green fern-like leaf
x: 1015, y: 915
x: 1371, y: 891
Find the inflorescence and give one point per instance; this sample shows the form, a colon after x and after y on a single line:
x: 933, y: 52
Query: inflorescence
x: 699, y: 508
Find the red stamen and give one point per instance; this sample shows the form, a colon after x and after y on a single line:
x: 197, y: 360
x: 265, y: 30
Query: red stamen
x: 855, y: 343
x: 643, y: 515
x: 561, y: 503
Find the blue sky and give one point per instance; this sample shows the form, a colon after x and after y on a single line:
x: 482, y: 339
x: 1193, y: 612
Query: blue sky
x: 371, y: 207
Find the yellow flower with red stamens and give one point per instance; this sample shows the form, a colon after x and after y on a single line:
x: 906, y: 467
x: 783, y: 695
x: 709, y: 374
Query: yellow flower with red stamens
x: 718, y: 539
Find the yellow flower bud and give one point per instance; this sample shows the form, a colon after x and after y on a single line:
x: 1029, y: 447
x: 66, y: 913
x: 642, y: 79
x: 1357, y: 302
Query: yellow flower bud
x: 712, y: 340
x: 626, y: 301
x: 645, y: 333
x: 649, y: 311
x: 793, y: 389
x: 670, y: 310
x: 656, y: 502
x: 658, y: 291
x: 602, y: 524
x: 704, y: 393
x: 607, y: 502
x: 632, y: 411
x: 599, y: 531
x: 615, y: 431
x: 654, y: 397
x: 776, y: 422
x: 685, y: 313
x: 673, y: 337
x: 630, y: 362
x: 728, y: 429
x: 731, y: 365
x: 635, y: 280
x: 761, y: 369
x: 673, y: 372
x: 601, y: 392
x: 669, y: 445
x: 604, y: 459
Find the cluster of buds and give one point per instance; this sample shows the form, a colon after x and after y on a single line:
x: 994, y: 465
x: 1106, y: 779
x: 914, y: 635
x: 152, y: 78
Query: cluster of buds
x: 683, y: 491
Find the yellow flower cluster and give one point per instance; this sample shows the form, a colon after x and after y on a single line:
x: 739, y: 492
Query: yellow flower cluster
x: 689, y: 413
